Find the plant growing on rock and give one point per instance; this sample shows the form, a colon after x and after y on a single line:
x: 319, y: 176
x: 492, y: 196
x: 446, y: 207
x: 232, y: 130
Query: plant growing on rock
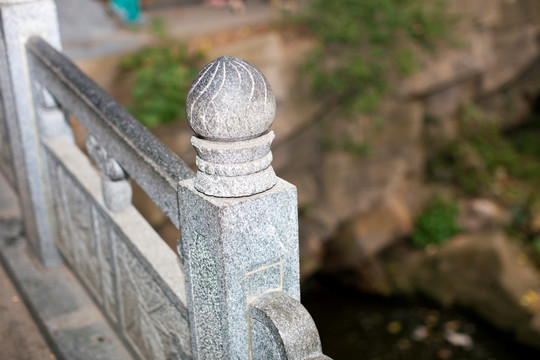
x: 486, y: 162
x: 364, y: 44
x: 436, y: 223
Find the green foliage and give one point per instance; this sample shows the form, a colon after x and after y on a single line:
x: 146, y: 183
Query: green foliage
x: 355, y: 148
x: 436, y: 223
x: 536, y: 244
x: 162, y: 76
x: 487, y: 162
x: 365, y: 43
x: 473, y: 161
x: 459, y: 163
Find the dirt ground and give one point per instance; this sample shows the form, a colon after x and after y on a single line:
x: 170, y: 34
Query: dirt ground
x: 20, y: 338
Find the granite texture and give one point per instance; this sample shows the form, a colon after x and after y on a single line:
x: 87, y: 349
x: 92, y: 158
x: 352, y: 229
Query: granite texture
x: 117, y: 194
x: 7, y: 166
x: 108, y: 166
x: 52, y: 120
x: 235, y: 249
x: 224, y: 95
x: 19, y: 21
x: 237, y: 186
x: 131, y: 273
x: 240, y: 224
x: 10, y: 211
x: 282, y: 324
x: 147, y: 161
x: 117, y: 191
x: 67, y: 317
x: 230, y: 107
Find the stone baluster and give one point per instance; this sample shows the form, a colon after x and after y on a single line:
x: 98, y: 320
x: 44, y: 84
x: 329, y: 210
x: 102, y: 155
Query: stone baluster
x: 239, y: 221
x: 52, y: 120
x: 115, y: 186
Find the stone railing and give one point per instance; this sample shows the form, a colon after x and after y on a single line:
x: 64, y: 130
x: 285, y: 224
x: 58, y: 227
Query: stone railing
x: 233, y: 291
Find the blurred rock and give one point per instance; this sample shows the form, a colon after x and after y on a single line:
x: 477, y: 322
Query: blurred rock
x: 483, y: 272
x: 482, y: 214
x: 372, y: 231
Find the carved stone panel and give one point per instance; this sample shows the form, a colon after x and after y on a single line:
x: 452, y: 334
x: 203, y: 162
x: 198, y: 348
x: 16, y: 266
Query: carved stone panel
x: 154, y: 326
x: 82, y: 236
x: 6, y: 160
x: 117, y: 268
x: 106, y: 254
x: 56, y: 178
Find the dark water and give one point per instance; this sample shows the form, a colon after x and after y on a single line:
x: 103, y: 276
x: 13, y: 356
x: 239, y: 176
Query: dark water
x: 367, y: 327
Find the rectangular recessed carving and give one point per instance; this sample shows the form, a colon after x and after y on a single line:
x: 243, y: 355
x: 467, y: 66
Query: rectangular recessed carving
x: 263, y: 279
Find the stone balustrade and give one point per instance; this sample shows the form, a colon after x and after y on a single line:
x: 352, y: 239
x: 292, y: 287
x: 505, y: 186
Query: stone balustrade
x: 232, y: 291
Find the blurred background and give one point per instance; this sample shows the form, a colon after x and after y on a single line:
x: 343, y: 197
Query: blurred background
x: 411, y: 129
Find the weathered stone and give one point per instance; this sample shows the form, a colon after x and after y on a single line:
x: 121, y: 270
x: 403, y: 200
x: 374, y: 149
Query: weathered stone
x: 239, y: 222
x: 447, y: 68
x: 20, y: 20
x: 513, y: 49
x: 155, y: 168
x: 233, y: 155
x: 116, y: 188
x: 445, y: 103
x: 482, y: 215
x: 10, y: 212
x: 234, y: 169
x: 226, y: 93
x: 282, y: 325
x: 488, y: 273
x: 225, y: 241
x: 371, y: 232
x: 66, y: 314
x: 266, y: 52
x: 127, y: 268
x: 116, y: 193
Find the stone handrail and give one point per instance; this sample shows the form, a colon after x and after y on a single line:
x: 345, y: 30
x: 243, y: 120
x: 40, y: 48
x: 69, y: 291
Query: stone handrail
x: 152, y: 165
x: 236, y: 294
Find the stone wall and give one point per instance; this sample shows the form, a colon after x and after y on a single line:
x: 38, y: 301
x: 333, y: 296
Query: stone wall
x: 365, y: 202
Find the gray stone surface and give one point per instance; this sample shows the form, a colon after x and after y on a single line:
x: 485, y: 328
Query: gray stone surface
x: 67, y: 317
x: 230, y: 106
x: 6, y: 158
x: 117, y: 191
x: 131, y: 273
x: 10, y: 212
x: 239, y: 223
x: 117, y: 194
x: 154, y: 167
x: 235, y: 249
x: 19, y: 21
x: 282, y: 325
x: 224, y: 95
x: 108, y: 166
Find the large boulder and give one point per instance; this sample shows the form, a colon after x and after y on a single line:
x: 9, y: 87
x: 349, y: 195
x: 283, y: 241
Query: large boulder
x: 488, y: 273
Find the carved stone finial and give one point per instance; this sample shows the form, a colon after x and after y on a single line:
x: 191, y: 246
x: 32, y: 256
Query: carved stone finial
x: 230, y: 105
x: 230, y: 100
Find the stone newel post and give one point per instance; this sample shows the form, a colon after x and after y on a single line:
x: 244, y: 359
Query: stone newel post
x: 30, y: 115
x: 239, y: 221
